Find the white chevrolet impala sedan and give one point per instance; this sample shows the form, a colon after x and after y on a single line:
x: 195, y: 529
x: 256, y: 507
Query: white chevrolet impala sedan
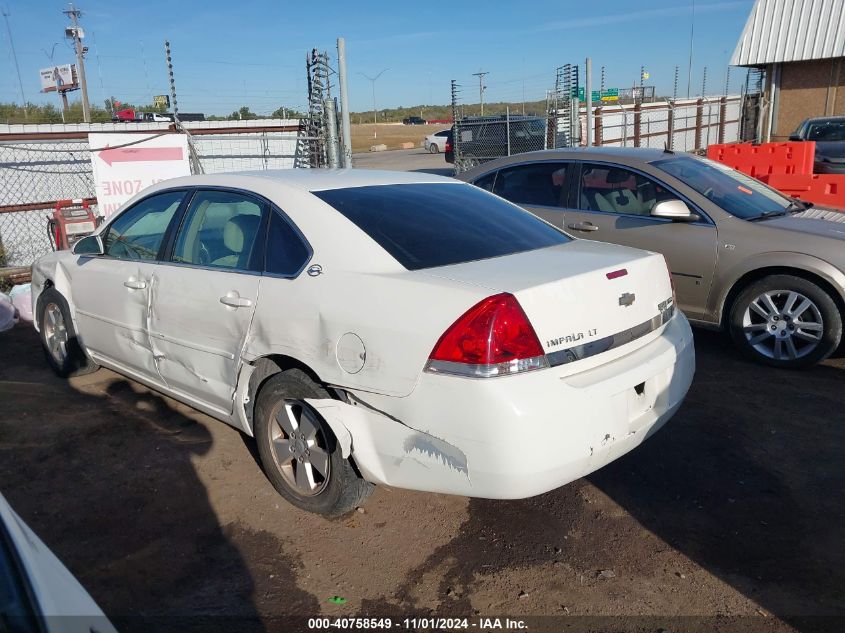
x: 374, y: 327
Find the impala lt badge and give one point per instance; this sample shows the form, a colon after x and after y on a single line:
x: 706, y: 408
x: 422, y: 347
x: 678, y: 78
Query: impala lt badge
x: 627, y: 299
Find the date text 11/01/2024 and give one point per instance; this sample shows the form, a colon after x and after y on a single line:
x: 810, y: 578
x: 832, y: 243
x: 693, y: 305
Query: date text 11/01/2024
x: 480, y: 624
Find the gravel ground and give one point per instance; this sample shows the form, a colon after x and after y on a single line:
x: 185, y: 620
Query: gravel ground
x: 729, y: 519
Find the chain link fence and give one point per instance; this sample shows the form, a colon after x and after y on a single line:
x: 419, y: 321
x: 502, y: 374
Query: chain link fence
x: 633, y: 117
x: 39, y: 169
x: 684, y: 125
x: 33, y: 176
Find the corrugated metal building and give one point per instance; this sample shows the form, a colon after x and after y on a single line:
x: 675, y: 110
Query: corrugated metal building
x: 800, y: 45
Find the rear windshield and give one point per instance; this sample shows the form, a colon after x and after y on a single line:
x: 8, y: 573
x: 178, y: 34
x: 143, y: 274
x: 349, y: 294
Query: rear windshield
x: 436, y: 224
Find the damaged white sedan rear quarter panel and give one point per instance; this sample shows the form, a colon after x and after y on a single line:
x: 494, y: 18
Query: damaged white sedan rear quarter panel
x: 365, y: 323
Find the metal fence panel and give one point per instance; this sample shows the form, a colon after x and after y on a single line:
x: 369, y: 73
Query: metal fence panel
x: 41, y: 169
x: 688, y: 126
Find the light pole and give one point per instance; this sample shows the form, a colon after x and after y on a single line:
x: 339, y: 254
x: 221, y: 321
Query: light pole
x: 373, y: 81
x: 691, y: 38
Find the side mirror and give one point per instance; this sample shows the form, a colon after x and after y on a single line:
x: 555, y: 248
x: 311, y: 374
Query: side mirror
x: 795, y: 137
x: 675, y: 210
x: 91, y: 245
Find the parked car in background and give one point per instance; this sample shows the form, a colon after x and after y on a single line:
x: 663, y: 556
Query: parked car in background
x: 37, y: 592
x: 375, y: 327
x: 829, y: 135
x: 133, y: 116
x: 413, y: 120
x: 483, y: 139
x: 436, y: 142
x: 744, y: 257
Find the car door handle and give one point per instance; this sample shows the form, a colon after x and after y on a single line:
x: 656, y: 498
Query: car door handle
x: 583, y: 226
x: 135, y: 284
x: 234, y: 300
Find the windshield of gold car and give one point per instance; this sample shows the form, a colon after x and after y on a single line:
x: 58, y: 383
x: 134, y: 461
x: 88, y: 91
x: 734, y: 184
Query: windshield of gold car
x: 736, y: 193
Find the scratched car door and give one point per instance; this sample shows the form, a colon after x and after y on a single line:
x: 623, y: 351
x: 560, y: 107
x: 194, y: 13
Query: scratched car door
x: 111, y: 291
x: 205, y: 293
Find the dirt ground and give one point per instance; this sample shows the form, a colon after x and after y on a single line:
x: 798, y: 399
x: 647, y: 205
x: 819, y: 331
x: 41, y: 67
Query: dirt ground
x: 731, y: 518
x: 391, y: 135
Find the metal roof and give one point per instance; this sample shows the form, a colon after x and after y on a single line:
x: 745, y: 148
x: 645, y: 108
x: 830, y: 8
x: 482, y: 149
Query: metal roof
x: 790, y: 31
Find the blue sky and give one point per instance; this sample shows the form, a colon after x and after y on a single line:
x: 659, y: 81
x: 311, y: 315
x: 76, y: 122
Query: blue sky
x: 251, y: 52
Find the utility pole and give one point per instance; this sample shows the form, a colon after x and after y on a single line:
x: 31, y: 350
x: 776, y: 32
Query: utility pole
x: 345, y: 128
x: 17, y: 67
x: 691, y: 38
x: 480, y: 75
x: 74, y: 32
x: 375, y: 116
x: 588, y: 97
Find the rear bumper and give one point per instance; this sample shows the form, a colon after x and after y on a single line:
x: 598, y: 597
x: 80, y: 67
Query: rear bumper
x: 519, y: 436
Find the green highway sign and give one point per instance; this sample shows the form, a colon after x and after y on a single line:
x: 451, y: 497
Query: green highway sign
x: 611, y: 94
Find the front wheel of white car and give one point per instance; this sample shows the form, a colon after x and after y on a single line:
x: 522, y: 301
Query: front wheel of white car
x: 433, y: 149
x: 58, y: 336
x: 298, y: 450
x: 786, y: 321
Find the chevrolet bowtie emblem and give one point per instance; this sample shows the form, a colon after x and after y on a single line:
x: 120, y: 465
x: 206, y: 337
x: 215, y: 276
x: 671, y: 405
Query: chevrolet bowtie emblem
x: 627, y: 299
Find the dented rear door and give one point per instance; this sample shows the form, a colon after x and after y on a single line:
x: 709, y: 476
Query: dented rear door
x: 196, y: 337
x: 203, y: 295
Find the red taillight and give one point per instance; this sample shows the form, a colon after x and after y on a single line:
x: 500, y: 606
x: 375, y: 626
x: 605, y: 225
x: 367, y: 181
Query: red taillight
x: 448, y: 146
x: 492, y: 338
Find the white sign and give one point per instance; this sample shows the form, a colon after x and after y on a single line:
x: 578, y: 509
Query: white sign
x: 56, y: 77
x: 125, y: 164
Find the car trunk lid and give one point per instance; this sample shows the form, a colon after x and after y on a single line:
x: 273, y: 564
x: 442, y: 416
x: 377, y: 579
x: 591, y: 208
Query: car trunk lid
x: 582, y: 298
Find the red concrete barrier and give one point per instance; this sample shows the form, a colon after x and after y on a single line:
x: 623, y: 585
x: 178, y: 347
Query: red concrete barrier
x: 788, y: 167
x: 822, y: 189
x: 766, y: 159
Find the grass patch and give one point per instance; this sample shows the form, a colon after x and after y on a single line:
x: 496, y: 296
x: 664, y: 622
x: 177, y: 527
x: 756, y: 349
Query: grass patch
x: 391, y: 135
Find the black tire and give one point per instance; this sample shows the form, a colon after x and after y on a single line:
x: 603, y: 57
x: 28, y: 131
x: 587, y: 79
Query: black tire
x: 342, y: 489
x: 746, y: 323
x: 433, y: 148
x: 73, y: 362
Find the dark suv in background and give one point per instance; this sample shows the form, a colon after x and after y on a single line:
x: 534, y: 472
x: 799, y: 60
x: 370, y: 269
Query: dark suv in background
x: 829, y: 135
x: 483, y: 139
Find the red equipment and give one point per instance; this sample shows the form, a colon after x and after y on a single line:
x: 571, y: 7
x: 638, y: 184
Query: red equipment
x: 72, y: 220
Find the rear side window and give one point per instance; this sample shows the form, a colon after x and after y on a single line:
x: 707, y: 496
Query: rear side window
x: 437, y: 224
x: 220, y: 230
x: 486, y: 182
x: 286, y: 252
x: 534, y: 184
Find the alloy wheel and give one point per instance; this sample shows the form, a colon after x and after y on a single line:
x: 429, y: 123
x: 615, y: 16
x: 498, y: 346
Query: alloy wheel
x: 299, y: 448
x: 782, y: 325
x: 55, y: 332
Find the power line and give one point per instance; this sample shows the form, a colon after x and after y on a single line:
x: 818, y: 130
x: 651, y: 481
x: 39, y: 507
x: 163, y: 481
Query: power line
x: 17, y: 67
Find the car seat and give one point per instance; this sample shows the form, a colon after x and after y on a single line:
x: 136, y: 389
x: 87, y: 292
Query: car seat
x: 238, y: 237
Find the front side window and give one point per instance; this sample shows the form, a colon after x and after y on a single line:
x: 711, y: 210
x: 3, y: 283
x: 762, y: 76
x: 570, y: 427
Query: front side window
x: 220, y: 230
x: 534, y: 184
x: 740, y: 195
x: 138, y: 233
x: 612, y: 189
x: 424, y: 225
